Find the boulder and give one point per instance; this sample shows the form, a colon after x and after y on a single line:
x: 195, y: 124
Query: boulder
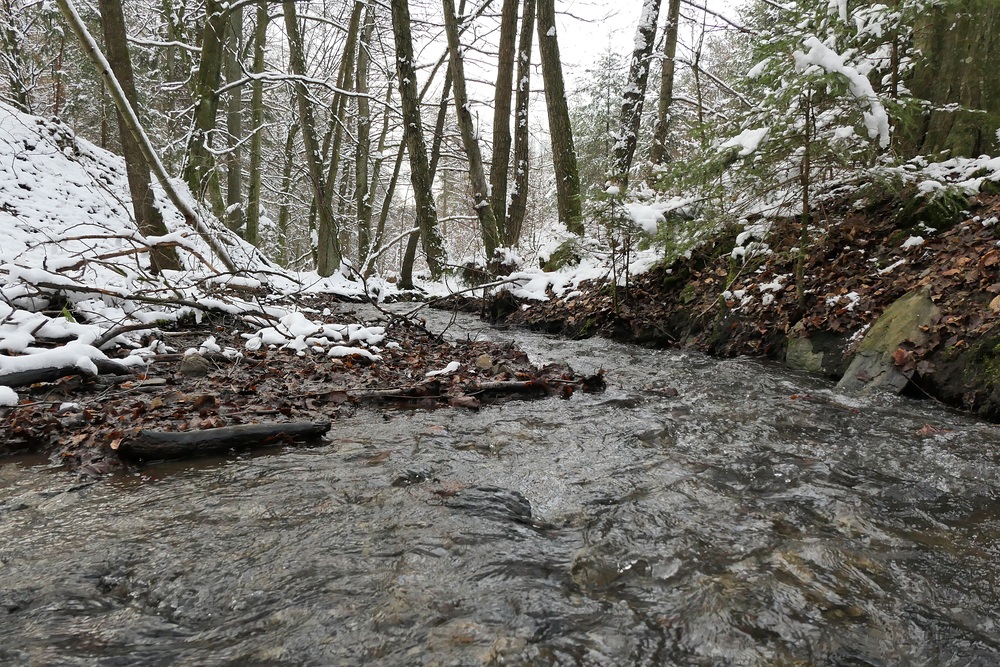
x: 818, y: 352
x: 873, y: 367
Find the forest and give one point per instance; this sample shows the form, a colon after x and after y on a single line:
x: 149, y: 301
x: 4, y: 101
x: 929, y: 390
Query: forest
x: 561, y: 333
x: 763, y: 178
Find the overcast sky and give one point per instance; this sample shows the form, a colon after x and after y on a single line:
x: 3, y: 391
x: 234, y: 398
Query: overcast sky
x: 587, y: 27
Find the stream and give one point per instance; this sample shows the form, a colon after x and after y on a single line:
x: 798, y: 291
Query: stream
x: 757, y: 517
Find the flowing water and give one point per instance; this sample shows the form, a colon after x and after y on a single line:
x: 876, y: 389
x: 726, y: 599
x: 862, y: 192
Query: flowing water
x: 757, y: 518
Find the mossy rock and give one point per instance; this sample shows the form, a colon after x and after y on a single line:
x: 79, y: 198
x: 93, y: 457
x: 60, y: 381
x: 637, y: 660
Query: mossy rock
x: 873, y: 366
x: 940, y: 210
x: 819, y: 352
x: 969, y: 377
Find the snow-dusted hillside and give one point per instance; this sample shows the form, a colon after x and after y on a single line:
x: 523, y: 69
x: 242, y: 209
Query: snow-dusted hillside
x: 73, y: 266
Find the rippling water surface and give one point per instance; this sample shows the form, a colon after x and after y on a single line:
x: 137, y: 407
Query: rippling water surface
x: 757, y: 518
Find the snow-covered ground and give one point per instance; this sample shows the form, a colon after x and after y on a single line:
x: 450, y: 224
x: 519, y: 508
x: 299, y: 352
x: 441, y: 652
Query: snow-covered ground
x: 74, y: 268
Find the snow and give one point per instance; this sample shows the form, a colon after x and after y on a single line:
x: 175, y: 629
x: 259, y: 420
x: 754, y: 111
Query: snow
x: 645, y: 216
x: 821, y: 55
x: 8, y: 397
x: 912, y: 242
x: 747, y: 141
x: 68, y: 235
x: 450, y: 368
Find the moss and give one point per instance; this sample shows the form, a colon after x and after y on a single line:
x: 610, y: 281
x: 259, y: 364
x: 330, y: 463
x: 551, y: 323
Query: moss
x: 689, y: 294
x: 567, y: 254
x: 941, y: 210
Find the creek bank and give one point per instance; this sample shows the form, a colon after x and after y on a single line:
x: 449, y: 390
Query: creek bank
x: 189, y: 405
x: 816, y: 301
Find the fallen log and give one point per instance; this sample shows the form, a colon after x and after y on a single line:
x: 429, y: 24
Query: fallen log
x: 51, y: 374
x: 164, y: 445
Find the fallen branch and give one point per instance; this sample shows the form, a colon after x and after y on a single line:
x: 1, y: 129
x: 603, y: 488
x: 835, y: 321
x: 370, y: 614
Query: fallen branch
x: 166, y: 445
x: 51, y: 374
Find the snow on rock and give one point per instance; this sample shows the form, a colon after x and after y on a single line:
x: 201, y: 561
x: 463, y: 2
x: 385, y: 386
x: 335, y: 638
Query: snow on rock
x: 450, y: 368
x: 8, y: 397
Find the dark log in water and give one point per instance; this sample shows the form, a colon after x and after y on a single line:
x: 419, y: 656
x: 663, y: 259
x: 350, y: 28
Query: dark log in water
x: 164, y: 445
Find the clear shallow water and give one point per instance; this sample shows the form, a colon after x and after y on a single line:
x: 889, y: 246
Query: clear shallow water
x: 758, y: 518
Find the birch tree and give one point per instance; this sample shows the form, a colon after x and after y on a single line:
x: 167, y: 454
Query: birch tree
x: 635, y: 90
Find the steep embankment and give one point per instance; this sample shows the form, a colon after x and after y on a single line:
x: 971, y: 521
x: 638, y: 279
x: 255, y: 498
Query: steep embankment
x: 812, y: 300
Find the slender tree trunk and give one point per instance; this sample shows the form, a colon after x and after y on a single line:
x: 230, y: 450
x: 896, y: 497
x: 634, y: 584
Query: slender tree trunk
x: 338, y: 119
x: 568, y: 197
x: 128, y: 116
x: 252, y: 234
x: 13, y: 57
x: 362, y: 196
x: 328, y: 245
x: 147, y: 217
x: 284, y: 213
x: 635, y: 91
x: 501, y: 116
x: 519, y: 193
x: 661, y: 133
x: 235, y: 213
x: 200, y: 162
x: 466, y: 125
x: 419, y: 169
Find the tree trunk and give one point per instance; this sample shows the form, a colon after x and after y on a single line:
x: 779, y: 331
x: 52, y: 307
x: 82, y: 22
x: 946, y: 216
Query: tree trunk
x: 362, y: 197
x: 252, y: 233
x: 284, y: 213
x: 127, y: 115
x: 501, y: 116
x: 467, y: 127
x: 147, y: 217
x: 200, y: 162
x: 519, y: 193
x: 568, y: 197
x: 328, y: 245
x: 635, y: 91
x: 13, y: 57
x: 419, y: 169
x: 658, y: 153
x: 235, y: 214
x: 958, y: 43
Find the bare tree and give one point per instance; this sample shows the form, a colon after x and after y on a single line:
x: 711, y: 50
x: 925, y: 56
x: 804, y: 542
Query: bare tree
x: 252, y: 233
x: 635, y: 91
x: 658, y: 152
x: 501, y: 115
x: 519, y: 192
x: 420, y: 176
x: 328, y: 245
x: 131, y: 121
x: 569, y: 198
x: 200, y: 161
x: 467, y: 128
x: 147, y: 217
